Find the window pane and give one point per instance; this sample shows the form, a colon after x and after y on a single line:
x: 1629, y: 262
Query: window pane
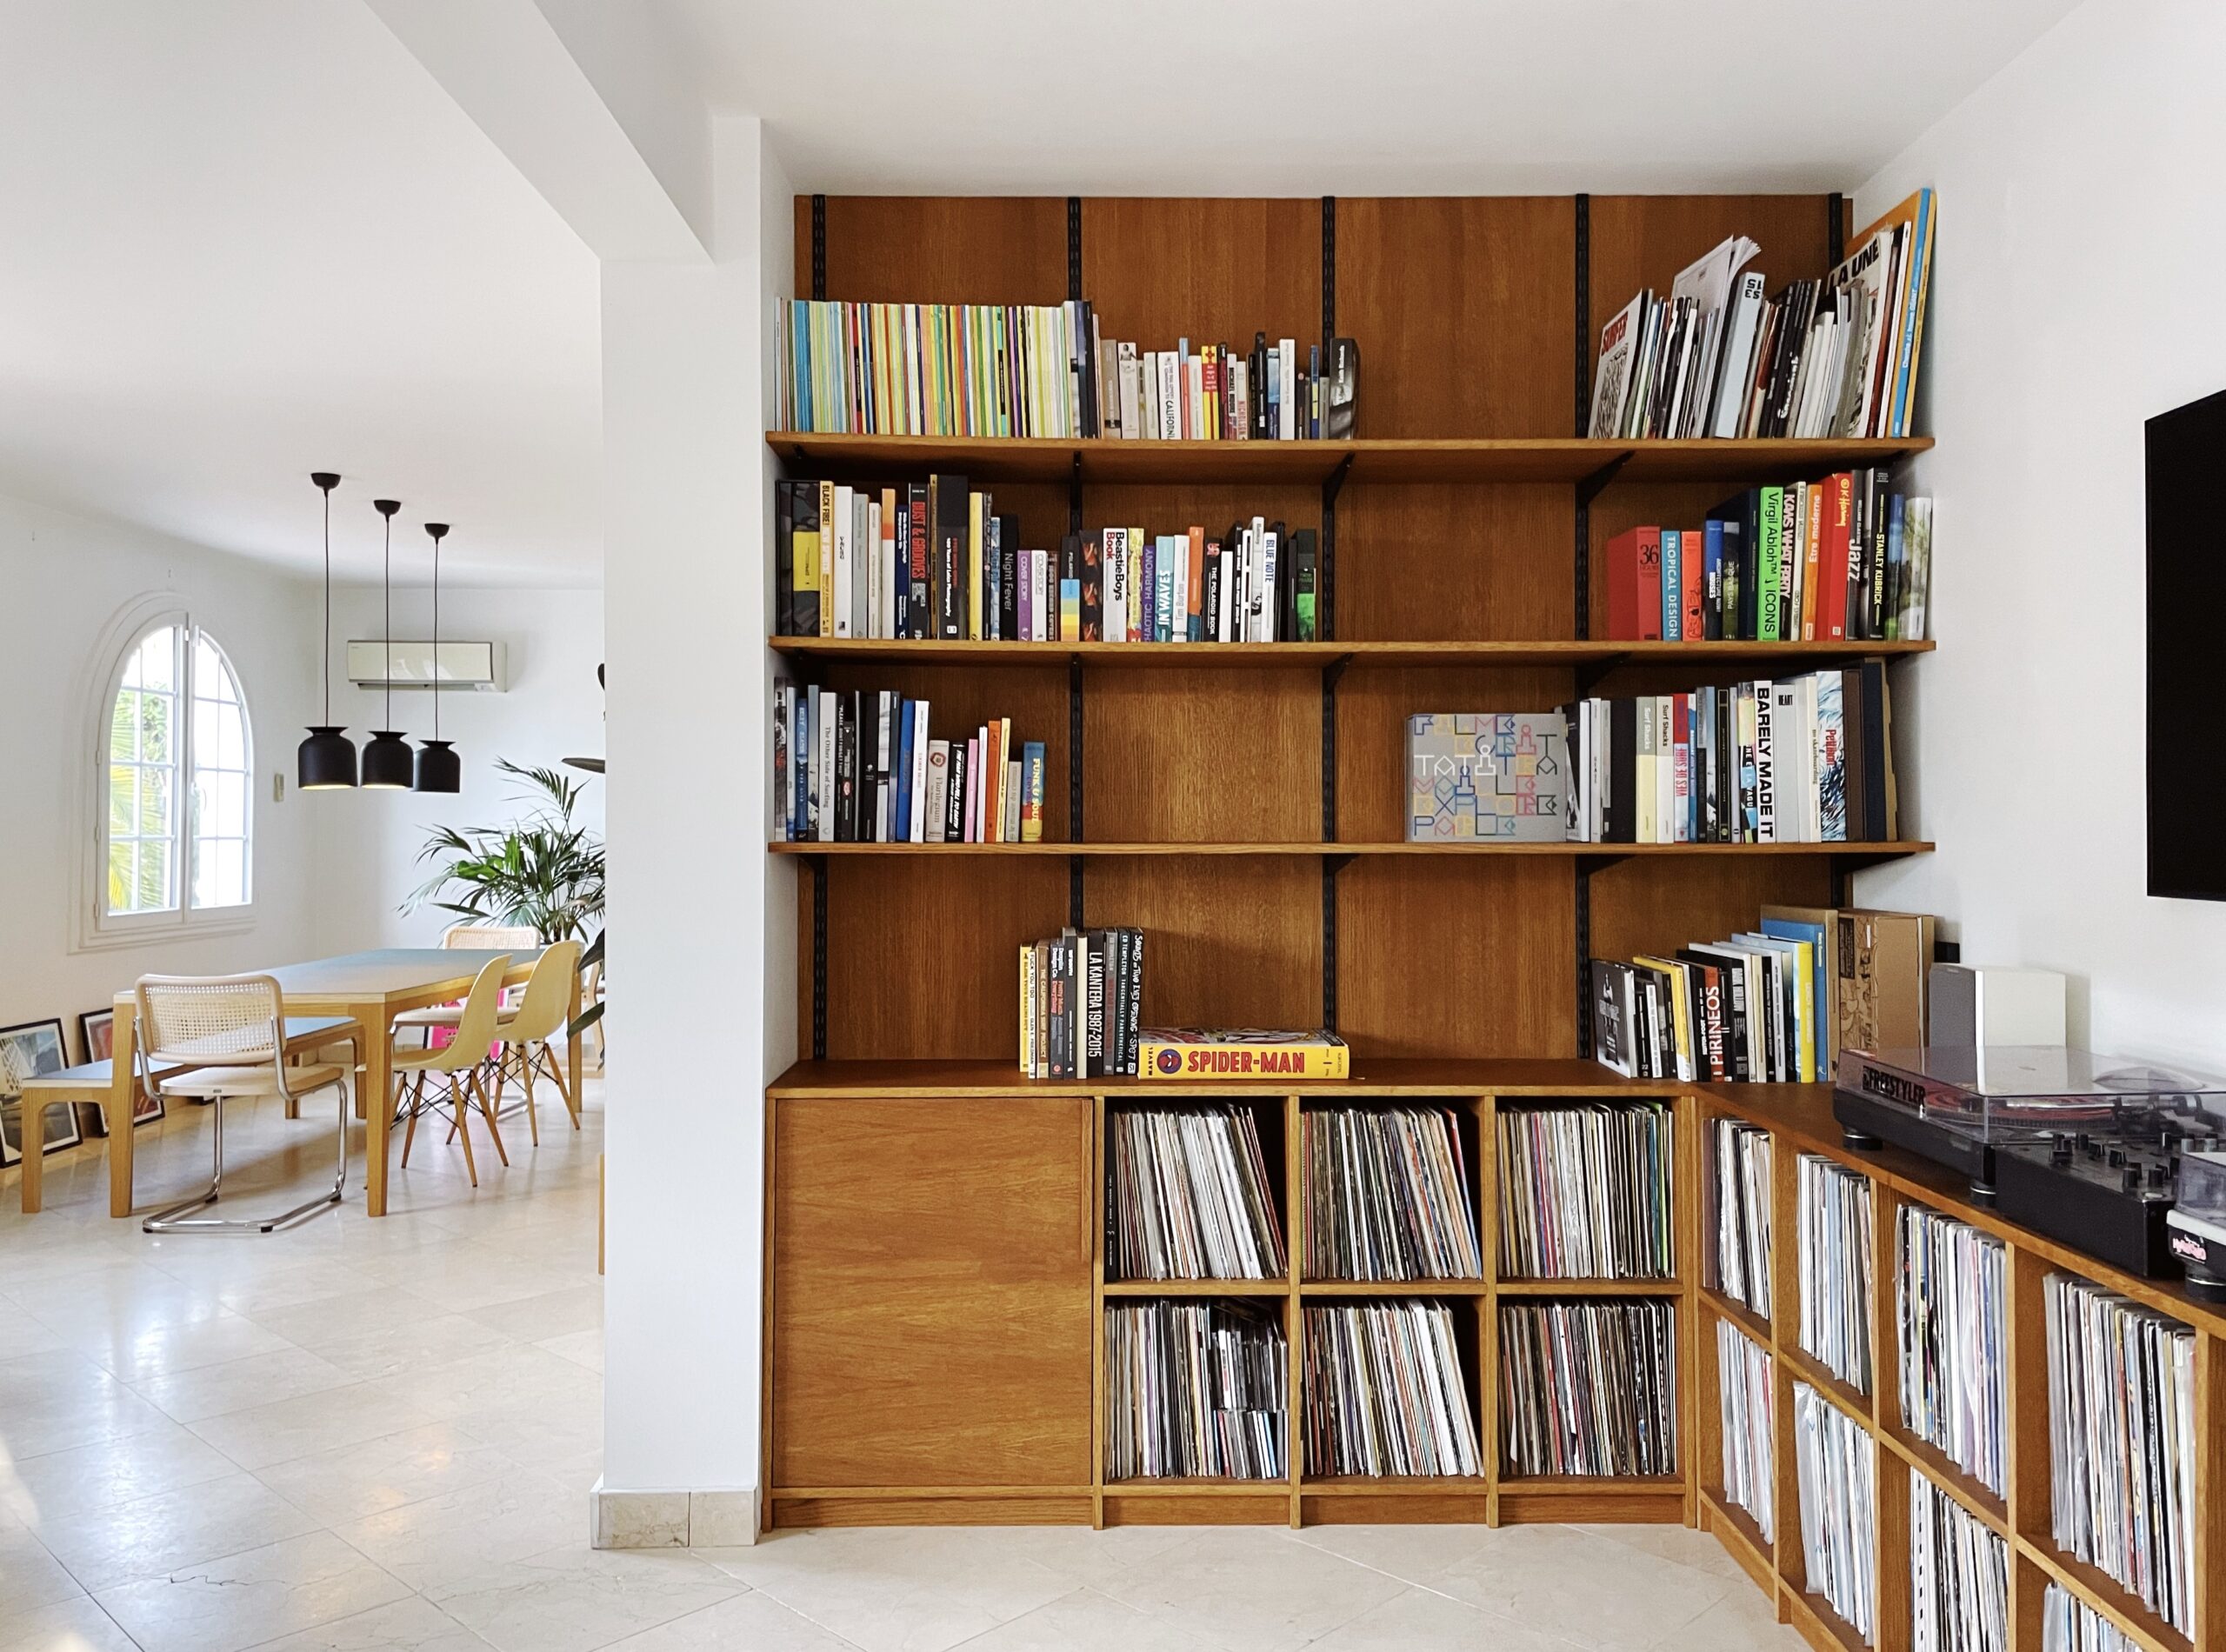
x: 158, y: 659
x: 231, y: 740
x: 206, y: 716
x: 123, y: 799
x: 123, y: 725
x: 211, y: 680
x: 122, y: 882
x: 226, y: 860
x: 154, y: 803
x: 154, y: 894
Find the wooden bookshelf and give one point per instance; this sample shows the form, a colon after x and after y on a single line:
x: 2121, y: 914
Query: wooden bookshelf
x: 935, y: 1246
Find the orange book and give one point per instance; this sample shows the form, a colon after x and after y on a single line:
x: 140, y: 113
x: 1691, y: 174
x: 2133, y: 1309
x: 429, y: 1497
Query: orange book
x: 993, y: 781
x: 1692, y: 580
x: 1192, y: 630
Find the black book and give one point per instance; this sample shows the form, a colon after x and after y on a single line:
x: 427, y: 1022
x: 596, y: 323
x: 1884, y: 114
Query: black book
x: 1738, y: 1052
x: 1741, y: 515
x: 1133, y: 1007
x: 846, y: 768
x: 919, y: 584
x: 784, y: 552
x: 1257, y: 372
x: 948, y: 520
x: 1296, y: 564
x: 1306, y: 614
x: 954, y: 803
x: 1086, y: 369
x: 1858, y: 559
x: 992, y: 569
x: 1209, y: 593
x: 1222, y: 359
x: 1009, y: 578
x: 1116, y: 980
x: 901, y: 586
x: 1054, y: 1009
x: 1875, y: 586
x: 1622, y: 814
x: 1872, y: 674
x: 1611, y: 1034
x: 1093, y: 1005
x: 804, y: 605
x: 1090, y: 562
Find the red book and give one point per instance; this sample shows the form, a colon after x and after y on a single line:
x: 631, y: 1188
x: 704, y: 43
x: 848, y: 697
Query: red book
x: 1832, y: 558
x: 1634, y: 586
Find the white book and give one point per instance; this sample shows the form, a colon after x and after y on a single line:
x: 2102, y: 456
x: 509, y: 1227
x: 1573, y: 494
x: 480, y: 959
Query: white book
x: 1114, y: 558
x: 915, y: 829
x: 1263, y: 626
x: 1193, y: 391
x: 1129, y: 390
x: 1040, y: 592
x: 1254, y: 560
x: 1736, y: 373
x: 884, y: 754
x: 883, y: 606
x: 1170, y: 410
x: 823, y: 769
x: 842, y: 591
x: 1178, y: 628
x: 1665, y: 768
x: 1224, y: 595
x: 939, y: 789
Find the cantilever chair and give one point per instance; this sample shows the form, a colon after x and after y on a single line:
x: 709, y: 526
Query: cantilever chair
x: 458, y: 1062
x: 229, y: 1032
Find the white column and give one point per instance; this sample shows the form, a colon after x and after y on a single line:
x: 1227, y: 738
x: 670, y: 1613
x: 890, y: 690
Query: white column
x: 687, y: 513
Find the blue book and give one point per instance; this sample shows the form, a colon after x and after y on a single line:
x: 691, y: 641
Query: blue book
x: 800, y: 365
x: 1894, y: 560
x: 1673, y: 585
x: 900, y: 826
x: 1712, y: 579
x: 1820, y: 1021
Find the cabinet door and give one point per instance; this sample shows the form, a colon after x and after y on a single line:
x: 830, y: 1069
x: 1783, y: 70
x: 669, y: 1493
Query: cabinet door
x: 932, y: 1292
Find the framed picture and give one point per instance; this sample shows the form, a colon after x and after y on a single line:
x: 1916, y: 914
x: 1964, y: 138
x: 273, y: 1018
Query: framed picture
x: 95, y: 1029
x: 27, y: 1051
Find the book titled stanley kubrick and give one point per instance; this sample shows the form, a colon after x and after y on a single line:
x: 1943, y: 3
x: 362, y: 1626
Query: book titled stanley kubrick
x: 1191, y: 1053
x: 1473, y: 777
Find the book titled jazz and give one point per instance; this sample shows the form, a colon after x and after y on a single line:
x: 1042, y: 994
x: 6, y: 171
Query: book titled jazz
x: 1240, y: 1053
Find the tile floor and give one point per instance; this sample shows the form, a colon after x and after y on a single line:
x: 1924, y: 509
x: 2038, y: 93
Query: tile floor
x: 365, y: 1435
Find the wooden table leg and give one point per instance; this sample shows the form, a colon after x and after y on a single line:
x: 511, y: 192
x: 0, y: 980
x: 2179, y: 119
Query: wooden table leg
x: 371, y: 1082
x: 572, y: 1041
x: 32, y: 1130
x: 123, y: 1119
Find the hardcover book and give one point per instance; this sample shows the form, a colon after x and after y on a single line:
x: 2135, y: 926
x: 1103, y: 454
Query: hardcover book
x: 1240, y: 1053
x: 1472, y: 778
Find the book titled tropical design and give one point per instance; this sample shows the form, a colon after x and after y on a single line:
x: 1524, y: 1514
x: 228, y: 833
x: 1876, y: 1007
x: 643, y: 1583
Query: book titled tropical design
x: 1478, y: 776
x: 1239, y: 1053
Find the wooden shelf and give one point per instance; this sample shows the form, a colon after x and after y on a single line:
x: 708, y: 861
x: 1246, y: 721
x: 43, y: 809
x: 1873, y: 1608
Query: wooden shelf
x: 1371, y: 1076
x: 1756, y: 1328
x: 1846, y: 1396
x: 1508, y: 459
x: 2106, y: 1595
x: 1937, y: 1467
x: 1275, y: 655
x: 1866, y: 852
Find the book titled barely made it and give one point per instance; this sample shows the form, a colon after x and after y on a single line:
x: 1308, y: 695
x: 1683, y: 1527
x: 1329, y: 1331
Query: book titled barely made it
x: 1195, y: 1053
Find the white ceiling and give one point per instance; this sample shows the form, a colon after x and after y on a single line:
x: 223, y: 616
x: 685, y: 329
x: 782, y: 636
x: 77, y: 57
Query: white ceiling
x: 243, y: 240
x: 1346, y: 97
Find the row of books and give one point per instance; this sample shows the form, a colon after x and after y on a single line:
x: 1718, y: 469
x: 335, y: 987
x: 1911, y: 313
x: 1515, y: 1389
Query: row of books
x: 1834, y: 1211
x: 1589, y: 1388
x: 1746, y: 1396
x: 1584, y: 1192
x: 2068, y: 1624
x: 2121, y: 1442
x: 1959, y: 1576
x: 1805, y: 759
x: 1836, y: 1468
x: 1388, y: 1195
x: 1739, y: 1214
x: 1384, y: 1393
x: 1949, y: 1288
x: 1847, y: 558
x: 938, y: 369
x: 1715, y: 358
x: 1081, y: 996
x: 1740, y: 1010
x: 1212, y: 393
x: 1195, y: 1389
x: 1191, y: 1197
x: 862, y: 768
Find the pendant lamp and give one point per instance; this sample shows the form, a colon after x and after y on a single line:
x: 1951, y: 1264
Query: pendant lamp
x: 438, y: 767
x: 326, y: 760
x: 388, y: 764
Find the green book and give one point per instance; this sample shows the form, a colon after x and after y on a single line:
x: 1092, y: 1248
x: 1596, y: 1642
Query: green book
x: 1766, y: 566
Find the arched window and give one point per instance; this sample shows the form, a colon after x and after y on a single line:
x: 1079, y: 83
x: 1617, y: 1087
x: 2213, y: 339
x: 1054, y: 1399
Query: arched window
x: 176, y: 806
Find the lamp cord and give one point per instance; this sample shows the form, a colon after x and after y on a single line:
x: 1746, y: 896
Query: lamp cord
x: 328, y: 608
x: 436, y: 638
x: 387, y: 670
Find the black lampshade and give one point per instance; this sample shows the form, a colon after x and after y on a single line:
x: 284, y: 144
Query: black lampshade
x: 438, y: 767
x: 388, y: 763
x: 326, y: 760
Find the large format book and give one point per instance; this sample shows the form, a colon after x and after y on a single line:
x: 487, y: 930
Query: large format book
x: 1191, y: 1053
x: 1474, y: 777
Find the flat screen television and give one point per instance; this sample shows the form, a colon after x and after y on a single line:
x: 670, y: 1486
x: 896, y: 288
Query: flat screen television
x: 2187, y: 591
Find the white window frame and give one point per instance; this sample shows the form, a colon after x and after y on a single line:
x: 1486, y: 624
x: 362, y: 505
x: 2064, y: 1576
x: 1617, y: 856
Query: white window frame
x: 97, y: 926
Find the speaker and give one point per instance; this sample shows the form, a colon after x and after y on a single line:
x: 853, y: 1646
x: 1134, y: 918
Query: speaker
x: 1977, y: 1005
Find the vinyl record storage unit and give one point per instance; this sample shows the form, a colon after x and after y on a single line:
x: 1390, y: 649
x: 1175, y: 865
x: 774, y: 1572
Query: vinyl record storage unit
x: 935, y: 1255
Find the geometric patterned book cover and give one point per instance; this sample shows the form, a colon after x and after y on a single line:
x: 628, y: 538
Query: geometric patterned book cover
x: 1478, y: 777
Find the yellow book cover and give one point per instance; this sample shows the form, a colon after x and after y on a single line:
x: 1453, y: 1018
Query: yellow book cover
x: 825, y: 563
x: 1192, y: 1053
x: 1027, y: 1010
x: 973, y: 503
x: 1804, y: 988
x: 1681, y: 1011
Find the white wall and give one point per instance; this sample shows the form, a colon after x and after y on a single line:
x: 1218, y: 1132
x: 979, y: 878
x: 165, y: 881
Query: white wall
x: 63, y: 580
x: 367, y: 854
x: 2075, y: 295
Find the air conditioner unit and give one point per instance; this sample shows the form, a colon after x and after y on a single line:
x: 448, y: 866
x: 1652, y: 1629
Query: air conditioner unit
x: 483, y: 666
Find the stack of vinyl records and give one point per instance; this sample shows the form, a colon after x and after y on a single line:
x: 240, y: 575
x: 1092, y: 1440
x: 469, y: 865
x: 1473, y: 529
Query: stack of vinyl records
x: 1191, y: 1198
x: 1739, y: 1156
x: 2068, y: 1624
x: 2121, y: 1442
x: 1742, y: 1376
x: 1949, y: 1293
x: 1836, y: 1465
x: 1385, y: 1394
x: 1959, y: 1576
x: 1387, y: 1195
x: 1833, y: 1206
x: 1584, y: 1192
x: 1195, y: 1389
x: 1589, y: 1388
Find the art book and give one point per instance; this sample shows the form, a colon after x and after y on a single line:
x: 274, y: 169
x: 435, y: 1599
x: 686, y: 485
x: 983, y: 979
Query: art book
x: 1478, y: 777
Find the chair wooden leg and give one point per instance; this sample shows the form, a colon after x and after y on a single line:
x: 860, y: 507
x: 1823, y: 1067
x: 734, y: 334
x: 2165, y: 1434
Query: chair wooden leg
x: 488, y: 1107
x: 532, y: 1113
x: 463, y: 1128
x: 555, y: 1070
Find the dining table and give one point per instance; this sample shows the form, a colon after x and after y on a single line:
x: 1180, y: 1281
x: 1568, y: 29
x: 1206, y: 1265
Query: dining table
x: 371, y: 988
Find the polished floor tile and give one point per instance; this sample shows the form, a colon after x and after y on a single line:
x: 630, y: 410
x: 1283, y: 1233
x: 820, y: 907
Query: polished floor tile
x: 359, y: 1435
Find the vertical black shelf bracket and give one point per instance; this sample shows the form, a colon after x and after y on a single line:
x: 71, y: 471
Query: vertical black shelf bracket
x: 1583, y: 929
x: 1329, y: 268
x: 1074, y: 827
x: 1074, y: 495
x: 1074, y: 247
x: 818, y: 864
x: 1583, y: 315
x: 1834, y: 228
x: 819, y: 246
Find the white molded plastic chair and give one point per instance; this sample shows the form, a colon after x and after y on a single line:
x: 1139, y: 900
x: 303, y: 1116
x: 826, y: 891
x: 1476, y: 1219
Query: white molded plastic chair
x: 458, y: 1062
x: 525, y: 1031
x: 469, y: 937
x: 229, y: 1032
